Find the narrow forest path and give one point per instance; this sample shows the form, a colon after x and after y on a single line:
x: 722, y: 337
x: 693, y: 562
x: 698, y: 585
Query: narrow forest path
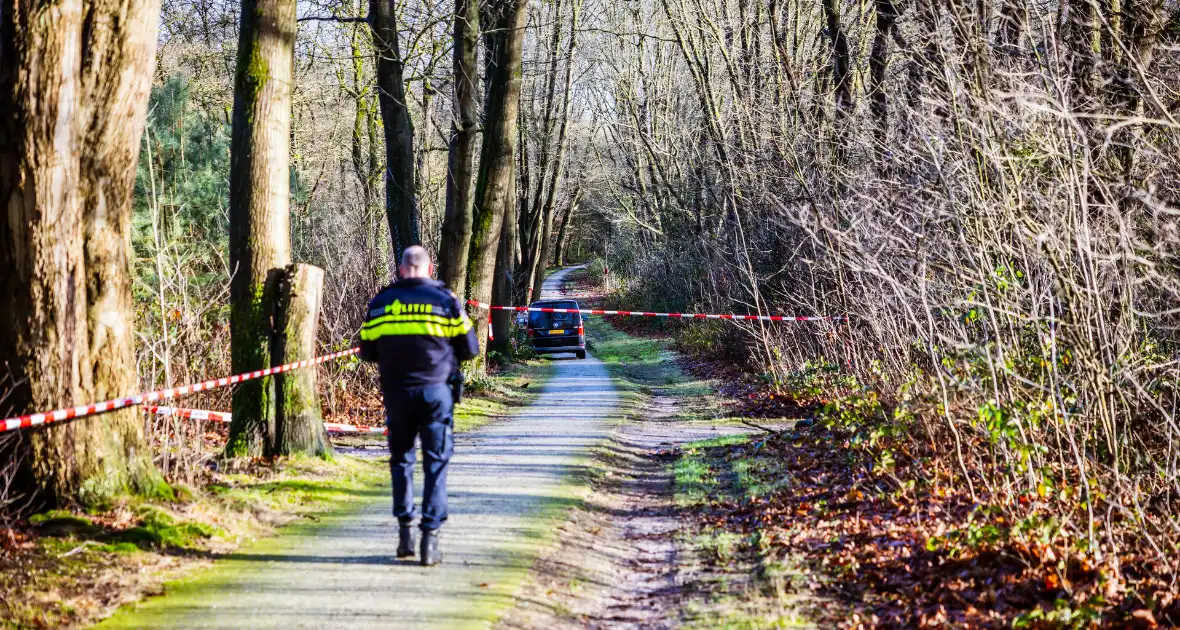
x: 508, y: 481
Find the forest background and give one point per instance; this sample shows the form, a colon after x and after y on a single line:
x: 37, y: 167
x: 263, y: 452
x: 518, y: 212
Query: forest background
x: 988, y: 190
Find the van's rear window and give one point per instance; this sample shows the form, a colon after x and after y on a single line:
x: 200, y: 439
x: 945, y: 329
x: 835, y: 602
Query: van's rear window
x: 547, y: 321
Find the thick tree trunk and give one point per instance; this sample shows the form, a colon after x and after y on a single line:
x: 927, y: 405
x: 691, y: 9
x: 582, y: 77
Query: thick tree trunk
x: 504, y: 282
x: 299, y: 423
x: 259, y: 212
x: 497, y: 162
x: 74, y: 81
x: 456, y: 227
x: 118, y: 64
x: 526, y: 224
x: 401, y: 207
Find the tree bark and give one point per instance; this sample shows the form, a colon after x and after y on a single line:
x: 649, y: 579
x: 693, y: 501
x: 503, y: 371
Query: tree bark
x: 526, y: 224
x: 841, y: 59
x: 74, y: 82
x: 401, y: 207
x: 504, y: 282
x: 456, y: 227
x: 878, y: 62
x: 1013, y: 18
x: 299, y: 423
x: 259, y: 211
x: 497, y: 163
x: 1142, y: 22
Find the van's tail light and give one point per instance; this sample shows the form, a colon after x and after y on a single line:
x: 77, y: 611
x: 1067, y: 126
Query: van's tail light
x: 530, y: 333
x: 581, y: 331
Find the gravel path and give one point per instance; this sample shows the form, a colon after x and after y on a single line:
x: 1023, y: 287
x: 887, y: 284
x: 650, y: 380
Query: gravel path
x: 507, y: 481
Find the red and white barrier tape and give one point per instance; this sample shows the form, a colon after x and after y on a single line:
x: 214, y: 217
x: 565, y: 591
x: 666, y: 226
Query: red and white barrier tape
x: 587, y: 311
x: 195, y: 414
x: 70, y: 413
x: 217, y: 416
x: 336, y: 427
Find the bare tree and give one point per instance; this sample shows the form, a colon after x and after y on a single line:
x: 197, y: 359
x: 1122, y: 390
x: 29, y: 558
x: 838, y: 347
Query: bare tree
x: 503, y: 44
x: 456, y: 227
x: 401, y: 206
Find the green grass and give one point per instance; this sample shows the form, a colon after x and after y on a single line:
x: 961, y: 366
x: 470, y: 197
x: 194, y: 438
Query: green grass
x: 697, y: 474
x: 647, y: 365
x: 750, y: 588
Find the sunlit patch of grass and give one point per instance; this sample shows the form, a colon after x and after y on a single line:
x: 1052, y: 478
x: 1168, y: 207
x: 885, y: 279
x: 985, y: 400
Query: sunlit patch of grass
x: 646, y: 366
x: 751, y: 584
x: 760, y: 476
x: 696, y: 473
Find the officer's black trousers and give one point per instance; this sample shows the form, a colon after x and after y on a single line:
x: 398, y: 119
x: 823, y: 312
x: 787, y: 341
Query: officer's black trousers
x: 423, y: 412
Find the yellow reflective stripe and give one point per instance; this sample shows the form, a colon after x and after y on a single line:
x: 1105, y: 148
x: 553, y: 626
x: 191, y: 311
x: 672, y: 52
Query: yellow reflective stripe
x: 405, y: 328
x: 398, y: 307
x: 435, y: 319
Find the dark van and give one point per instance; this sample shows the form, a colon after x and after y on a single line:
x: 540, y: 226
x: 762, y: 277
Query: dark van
x: 553, y: 333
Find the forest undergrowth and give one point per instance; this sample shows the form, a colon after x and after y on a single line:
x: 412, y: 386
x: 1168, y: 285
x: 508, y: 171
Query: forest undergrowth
x: 880, y: 524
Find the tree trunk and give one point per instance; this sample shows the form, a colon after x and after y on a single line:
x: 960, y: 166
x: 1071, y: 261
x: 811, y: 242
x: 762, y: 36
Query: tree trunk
x: 299, y: 424
x: 1013, y: 18
x: 841, y: 59
x: 555, y: 177
x: 563, y: 231
x: 74, y: 82
x: 1143, y: 22
x: 456, y: 227
x: 532, y: 211
x: 504, y: 282
x: 421, y: 166
x: 878, y: 62
x: 259, y: 211
x: 497, y: 161
x: 401, y: 207
x: 526, y: 224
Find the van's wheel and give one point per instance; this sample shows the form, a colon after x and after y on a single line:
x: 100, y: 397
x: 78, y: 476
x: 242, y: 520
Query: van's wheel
x: 581, y: 354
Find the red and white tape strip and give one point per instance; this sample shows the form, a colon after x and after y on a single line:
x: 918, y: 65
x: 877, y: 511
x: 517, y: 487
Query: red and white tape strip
x: 71, y: 413
x: 195, y: 414
x: 217, y: 416
x: 587, y: 311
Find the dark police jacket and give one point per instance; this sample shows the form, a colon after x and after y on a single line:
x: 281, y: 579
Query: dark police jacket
x: 417, y: 333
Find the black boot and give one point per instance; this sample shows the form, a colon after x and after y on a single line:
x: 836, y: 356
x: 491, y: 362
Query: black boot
x: 405, y: 542
x: 430, y: 555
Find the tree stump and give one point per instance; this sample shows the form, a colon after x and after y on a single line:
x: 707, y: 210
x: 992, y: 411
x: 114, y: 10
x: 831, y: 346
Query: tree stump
x: 299, y: 423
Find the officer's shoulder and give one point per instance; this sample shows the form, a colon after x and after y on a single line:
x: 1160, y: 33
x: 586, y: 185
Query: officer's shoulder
x: 448, y: 296
x: 384, y: 293
x: 442, y: 288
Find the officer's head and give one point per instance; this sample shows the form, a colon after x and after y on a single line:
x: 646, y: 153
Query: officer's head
x: 415, y: 263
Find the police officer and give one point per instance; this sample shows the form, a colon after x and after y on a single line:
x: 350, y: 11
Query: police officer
x: 417, y: 333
